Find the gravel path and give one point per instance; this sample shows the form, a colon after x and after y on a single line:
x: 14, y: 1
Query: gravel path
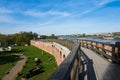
x: 104, y: 70
x: 17, y: 68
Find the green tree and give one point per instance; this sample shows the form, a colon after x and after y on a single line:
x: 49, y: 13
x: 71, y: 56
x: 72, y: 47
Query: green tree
x: 18, y: 38
x: 116, y: 34
x: 52, y: 36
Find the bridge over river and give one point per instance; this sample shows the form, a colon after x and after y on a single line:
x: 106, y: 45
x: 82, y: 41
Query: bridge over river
x: 94, y: 61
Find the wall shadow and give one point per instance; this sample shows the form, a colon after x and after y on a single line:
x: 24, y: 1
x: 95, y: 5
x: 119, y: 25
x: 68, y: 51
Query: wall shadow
x: 112, y: 72
x: 8, y: 57
x: 33, y: 72
x: 87, y: 68
x: 13, y: 51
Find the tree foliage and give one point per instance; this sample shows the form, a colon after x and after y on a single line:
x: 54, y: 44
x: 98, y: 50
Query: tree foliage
x: 18, y: 38
x: 21, y: 38
x: 52, y: 36
x: 116, y: 34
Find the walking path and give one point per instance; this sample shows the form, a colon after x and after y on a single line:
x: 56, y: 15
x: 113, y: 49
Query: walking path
x: 104, y: 70
x: 16, y: 69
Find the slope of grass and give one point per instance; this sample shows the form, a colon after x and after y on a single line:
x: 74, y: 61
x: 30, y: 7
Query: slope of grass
x: 32, y: 52
x: 7, y: 61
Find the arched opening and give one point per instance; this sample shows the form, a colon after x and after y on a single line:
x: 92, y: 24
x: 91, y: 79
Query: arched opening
x: 63, y: 56
x: 60, y: 54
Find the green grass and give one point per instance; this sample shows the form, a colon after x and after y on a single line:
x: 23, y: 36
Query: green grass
x: 7, y: 61
x: 32, y: 52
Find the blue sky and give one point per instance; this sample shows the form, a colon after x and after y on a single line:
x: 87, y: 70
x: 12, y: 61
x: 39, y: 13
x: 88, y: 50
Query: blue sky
x: 59, y: 16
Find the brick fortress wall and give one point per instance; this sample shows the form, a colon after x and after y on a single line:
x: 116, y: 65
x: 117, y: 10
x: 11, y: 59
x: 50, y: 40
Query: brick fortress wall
x: 55, y: 49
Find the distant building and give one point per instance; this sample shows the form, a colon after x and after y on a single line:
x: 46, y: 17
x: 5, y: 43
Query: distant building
x: 38, y: 36
x: 108, y: 36
x: 60, y: 38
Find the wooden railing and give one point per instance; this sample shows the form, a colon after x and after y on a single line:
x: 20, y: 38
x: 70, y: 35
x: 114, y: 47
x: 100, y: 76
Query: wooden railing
x: 107, y: 50
x: 70, y: 67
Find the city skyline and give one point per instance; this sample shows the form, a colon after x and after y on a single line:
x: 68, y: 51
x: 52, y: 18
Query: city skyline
x: 59, y: 17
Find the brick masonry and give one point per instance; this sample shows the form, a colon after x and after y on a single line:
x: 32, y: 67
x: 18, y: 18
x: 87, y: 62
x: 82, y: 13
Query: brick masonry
x: 53, y: 48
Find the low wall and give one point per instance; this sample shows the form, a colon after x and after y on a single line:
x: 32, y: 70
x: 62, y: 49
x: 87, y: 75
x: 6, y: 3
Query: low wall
x: 58, y: 51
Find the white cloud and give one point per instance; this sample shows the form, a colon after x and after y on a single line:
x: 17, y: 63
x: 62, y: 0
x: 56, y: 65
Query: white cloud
x: 46, y: 14
x: 34, y: 13
x: 98, y: 5
x: 104, y: 2
x: 5, y: 11
x: 64, y: 14
x: 5, y: 16
x: 86, y: 11
x: 6, y: 19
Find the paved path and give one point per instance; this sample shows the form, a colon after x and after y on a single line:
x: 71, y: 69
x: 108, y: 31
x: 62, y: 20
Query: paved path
x: 104, y: 70
x: 17, y: 68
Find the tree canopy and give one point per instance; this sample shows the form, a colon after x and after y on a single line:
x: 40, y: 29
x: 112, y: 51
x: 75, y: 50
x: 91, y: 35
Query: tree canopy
x: 17, y: 38
x: 21, y: 38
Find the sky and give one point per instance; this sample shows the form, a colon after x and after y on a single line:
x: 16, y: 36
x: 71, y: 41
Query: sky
x: 59, y: 17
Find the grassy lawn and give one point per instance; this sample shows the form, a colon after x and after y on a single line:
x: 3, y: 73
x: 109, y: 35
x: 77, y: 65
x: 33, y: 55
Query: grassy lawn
x: 32, y: 52
x: 7, y: 61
